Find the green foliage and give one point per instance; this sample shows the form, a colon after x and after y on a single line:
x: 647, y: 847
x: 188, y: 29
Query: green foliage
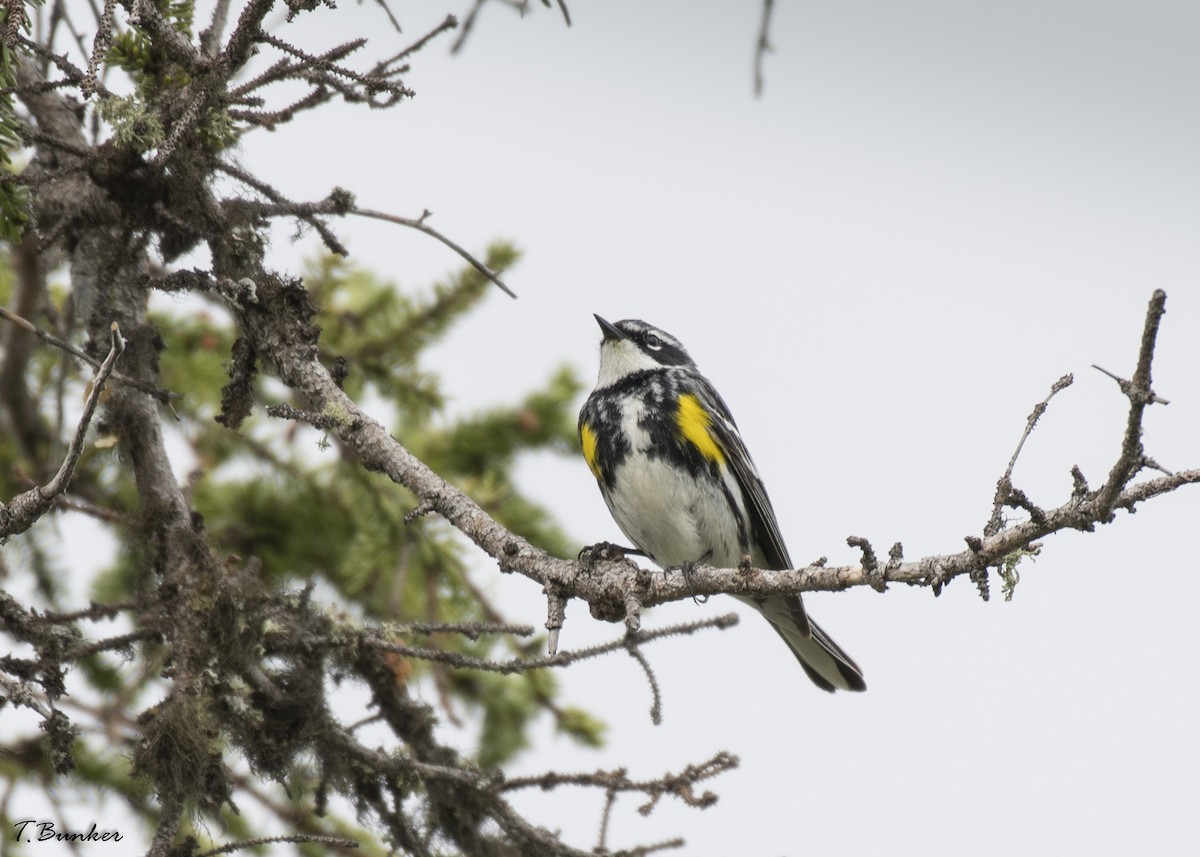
x: 335, y: 522
x: 135, y: 119
x: 288, y: 514
x: 280, y: 500
x: 14, y: 201
x: 130, y: 51
x: 512, y: 703
x: 270, y: 492
x: 133, y: 51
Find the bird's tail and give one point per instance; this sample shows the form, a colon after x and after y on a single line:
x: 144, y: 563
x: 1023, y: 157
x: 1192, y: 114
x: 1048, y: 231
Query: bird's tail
x: 826, y: 664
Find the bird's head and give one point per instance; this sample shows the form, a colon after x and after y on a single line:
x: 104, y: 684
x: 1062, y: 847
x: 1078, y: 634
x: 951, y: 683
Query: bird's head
x: 631, y: 346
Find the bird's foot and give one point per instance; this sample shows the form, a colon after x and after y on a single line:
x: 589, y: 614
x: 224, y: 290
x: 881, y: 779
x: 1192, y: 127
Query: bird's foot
x: 605, y: 551
x: 687, y: 568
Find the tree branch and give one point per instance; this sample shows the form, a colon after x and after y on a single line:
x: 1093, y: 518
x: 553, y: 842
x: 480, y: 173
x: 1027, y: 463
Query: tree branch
x: 164, y: 396
x: 1140, y: 394
x: 519, y: 665
x: 420, y: 225
x: 607, y: 586
x: 22, y: 511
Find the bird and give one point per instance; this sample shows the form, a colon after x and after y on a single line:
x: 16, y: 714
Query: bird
x: 679, y: 482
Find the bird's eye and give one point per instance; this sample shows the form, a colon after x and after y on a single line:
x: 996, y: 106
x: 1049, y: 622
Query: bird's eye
x: 653, y: 342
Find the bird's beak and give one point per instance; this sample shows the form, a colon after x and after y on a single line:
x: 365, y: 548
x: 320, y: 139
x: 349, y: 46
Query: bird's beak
x: 611, y: 332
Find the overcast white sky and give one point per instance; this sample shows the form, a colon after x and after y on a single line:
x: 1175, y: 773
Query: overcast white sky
x: 935, y: 210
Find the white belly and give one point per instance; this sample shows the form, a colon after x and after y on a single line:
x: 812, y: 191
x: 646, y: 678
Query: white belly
x: 672, y: 517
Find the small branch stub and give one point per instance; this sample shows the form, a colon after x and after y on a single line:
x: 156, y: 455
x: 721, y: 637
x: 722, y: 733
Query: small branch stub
x: 556, y: 614
x: 873, y: 575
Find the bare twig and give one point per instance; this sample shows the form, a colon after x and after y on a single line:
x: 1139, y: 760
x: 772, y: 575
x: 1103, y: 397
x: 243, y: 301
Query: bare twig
x: 184, y: 124
x: 467, y: 27
x: 610, y: 798
x: 391, y: 18
x: 449, y: 23
x: 520, y: 5
x: 103, y: 39
x: 19, y: 515
x: 763, y: 45
x: 636, y: 653
x: 164, y: 396
x: 147, y: 15
x: 1004, y: 486
x: 519, y: 665
x: 681, y: 785
x: 470, y: 630
x: 420, y: 225
x: 93, y: 611
x: 297, y: 838
x: 210, y: 38
x: 1140, y: 394
x: 338, y: 202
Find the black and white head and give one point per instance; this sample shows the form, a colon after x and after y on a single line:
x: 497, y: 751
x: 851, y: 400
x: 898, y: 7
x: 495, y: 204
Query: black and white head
x: 632, y: 346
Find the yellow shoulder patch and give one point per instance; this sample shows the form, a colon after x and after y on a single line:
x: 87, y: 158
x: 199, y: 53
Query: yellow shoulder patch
x: 694, y: 425
x: 587, y: 438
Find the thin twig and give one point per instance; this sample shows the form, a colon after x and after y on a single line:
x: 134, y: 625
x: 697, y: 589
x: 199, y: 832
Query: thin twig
x: 164, y: 396
x: 338, y: 202
x: 268, y: 840
x: 519, y: 665
x: 20, y: 514
x: 210, y: 39
x: 470, y: 630
x: 85, y: 650
x: 467, y: 27
x: 392, y: 18
x: 95, y: 611
x: 679, y: 784
x: 420, y: 225
x: 448, y: 24
x: 763, y: 45
x: 1004, y: 486
x: 656, y: 706
x: 63, y: 478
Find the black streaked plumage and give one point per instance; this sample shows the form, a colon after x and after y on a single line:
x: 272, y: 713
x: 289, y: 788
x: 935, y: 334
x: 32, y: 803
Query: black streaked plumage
x: 635, y: 418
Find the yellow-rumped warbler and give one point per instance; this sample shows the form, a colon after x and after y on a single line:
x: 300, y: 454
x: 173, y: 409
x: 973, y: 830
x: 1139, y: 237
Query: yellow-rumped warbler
x: 680, y: 484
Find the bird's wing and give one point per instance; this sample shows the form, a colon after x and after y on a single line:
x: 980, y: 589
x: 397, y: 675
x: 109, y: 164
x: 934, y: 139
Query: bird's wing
x: 764, y: 527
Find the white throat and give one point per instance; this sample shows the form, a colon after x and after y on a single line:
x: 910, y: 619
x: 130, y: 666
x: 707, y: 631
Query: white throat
x: 620, y: 359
